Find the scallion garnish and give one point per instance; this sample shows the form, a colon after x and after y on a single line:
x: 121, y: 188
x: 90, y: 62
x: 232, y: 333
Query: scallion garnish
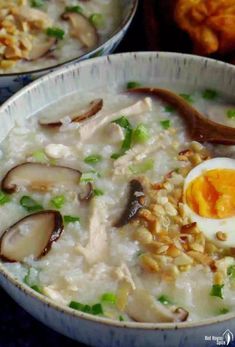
x: 140, y: 133
x: 40, y: 156
x: 166, y: 123
x: 71, y: 219
x: 109, y: 298
x: 142, y: 167
x: 224, y: 310
x: 75, y: 9
x: 231, y: 113
x: 97, y: 19
x: 58, y: 201
x: 37, y: 3
x: 169, y: 108
x: 4, y: 198
x: 231, y: 271
x: 126, y: 144
x: 187, y: 97
x: 93, y: 159
x: 37, y: 289
x: 98, y: 192
x: 133, y: 84
x: 56, y: 32
x: 95, y: 309
x: 30, y: 204
x: 209, y: 94
x: 121, y: 319
x: 164, y: 299
x: 217, y: 290
x: 89, y: 176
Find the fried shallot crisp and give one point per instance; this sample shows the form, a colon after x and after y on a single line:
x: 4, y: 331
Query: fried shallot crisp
x: 210, y: 24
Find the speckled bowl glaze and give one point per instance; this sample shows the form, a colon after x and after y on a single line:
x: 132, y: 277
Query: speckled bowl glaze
x: 116, y: 70
x: 12, y: 82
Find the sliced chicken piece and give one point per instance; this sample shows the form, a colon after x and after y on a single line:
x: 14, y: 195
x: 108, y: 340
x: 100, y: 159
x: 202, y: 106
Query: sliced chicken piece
x: 88, y: 127
x: 143, y: 307
x: 96, y: 248
x: 134, y: 155
x: 123, y: 273
x: 115, y: 133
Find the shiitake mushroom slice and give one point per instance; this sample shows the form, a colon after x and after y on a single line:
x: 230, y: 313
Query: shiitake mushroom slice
x: 94, y: 107
x: 39, y: 177
x: 32, y: 235
x: 135, y: 203
x: 199, y: 127
x: 82, y: 29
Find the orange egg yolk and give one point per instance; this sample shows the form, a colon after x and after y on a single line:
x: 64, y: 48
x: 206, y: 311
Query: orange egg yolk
x: 212, y: 194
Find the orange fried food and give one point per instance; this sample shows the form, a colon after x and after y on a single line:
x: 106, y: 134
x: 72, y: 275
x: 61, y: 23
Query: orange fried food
x: 210, y: 24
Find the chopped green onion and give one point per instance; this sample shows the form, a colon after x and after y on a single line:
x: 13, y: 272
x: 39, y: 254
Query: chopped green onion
x: 97, y: 19
x: 26, y: 279
x: 165, y: 124
x: 93, y: 159
x: 30, y: 204
x: 224, y: 310
x: 76, y: 305
x: 142, y: 167
x: 40, y: 156
x: 187, y: 97
x: 163, y: 299
x: 55, y: 32
x: 75, y: 9
x: 133, y: 84
x: 109, y: 298
x: 217, y: 290
x: 71, y: 219
x: 140, y: 133
x: 95, y: 309
x: 126, y: 144
x: 231, y: 271
x: 98, y: 192
x: 209, y: 94
x: 37, y: 3
x: 37, y: 289
x: 121, y: 319
x: 4, y: 198
x: 123, y: 122
x: 231, y: 113
x: 89, y: 176
x: 58, y: 201
x: 169, y: 108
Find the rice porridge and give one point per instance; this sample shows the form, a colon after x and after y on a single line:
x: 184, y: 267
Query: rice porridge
x: 110, y: 208
x: 36, y: 34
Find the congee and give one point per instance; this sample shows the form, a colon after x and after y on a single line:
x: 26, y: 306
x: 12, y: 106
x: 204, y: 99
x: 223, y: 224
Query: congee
x: 36, y: 34
x: 109, y: 207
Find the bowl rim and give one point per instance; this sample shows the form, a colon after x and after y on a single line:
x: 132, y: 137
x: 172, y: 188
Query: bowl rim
x: 122, y: 26
x: 42, y: 299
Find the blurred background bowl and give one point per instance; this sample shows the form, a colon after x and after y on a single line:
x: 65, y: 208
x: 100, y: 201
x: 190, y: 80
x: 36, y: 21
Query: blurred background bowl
x: 12, y: 82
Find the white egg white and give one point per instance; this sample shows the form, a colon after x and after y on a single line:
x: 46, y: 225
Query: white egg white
x: 210, y: 226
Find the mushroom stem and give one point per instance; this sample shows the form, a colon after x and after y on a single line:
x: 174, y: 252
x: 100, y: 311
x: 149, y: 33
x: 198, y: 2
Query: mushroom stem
x: 135, y: 203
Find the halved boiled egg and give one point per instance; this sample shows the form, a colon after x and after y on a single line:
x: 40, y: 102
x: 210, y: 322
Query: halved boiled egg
x: 209, y: 199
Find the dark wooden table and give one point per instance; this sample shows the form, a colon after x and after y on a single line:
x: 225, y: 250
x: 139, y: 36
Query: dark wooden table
x: 18, y: 328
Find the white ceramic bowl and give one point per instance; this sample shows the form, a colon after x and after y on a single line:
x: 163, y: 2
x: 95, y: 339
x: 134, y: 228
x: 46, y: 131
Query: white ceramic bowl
x: 116, y: 70
x: 12, y: 82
